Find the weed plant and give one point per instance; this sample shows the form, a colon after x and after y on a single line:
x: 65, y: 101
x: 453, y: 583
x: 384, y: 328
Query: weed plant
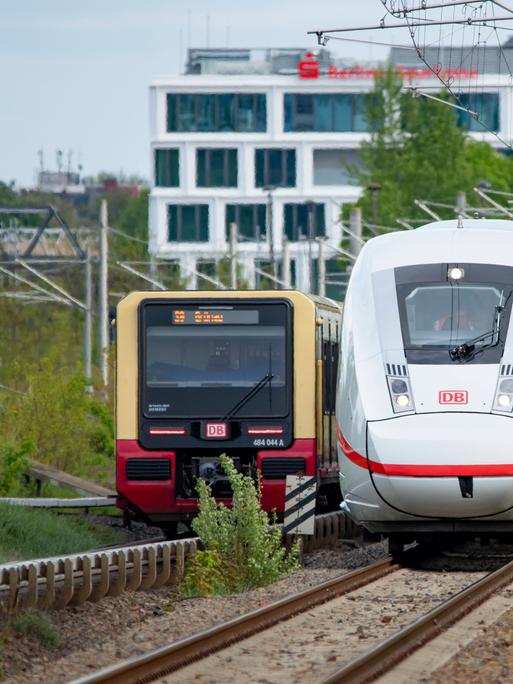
x: 37, y: 626
x: 241, y: 549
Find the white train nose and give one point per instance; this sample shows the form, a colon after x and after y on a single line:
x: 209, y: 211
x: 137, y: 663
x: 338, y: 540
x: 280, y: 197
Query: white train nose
x: 457, y: 465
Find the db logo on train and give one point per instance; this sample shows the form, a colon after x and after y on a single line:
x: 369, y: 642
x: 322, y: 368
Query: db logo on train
x: 453, y: 397
x: 216, y: 430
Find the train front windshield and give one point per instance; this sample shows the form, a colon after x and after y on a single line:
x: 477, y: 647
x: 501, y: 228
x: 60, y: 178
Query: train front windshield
x: 444, y: 306
x: 203, y: 360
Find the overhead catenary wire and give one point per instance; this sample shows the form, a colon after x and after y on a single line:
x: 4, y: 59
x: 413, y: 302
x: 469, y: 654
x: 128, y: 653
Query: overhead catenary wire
x: 479, y: 15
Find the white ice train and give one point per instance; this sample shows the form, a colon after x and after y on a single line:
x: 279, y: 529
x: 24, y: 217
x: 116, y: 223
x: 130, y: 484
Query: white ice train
x: 425, y: 394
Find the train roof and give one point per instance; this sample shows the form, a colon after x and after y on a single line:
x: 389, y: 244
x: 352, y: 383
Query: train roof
x: 487, y: 241
x: 293, y: 295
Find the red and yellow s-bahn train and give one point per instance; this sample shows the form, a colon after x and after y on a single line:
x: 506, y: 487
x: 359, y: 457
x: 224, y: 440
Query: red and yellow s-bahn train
x: 247, y: 373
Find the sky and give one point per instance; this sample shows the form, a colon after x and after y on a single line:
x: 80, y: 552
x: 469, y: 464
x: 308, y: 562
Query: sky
x: 75, y: 75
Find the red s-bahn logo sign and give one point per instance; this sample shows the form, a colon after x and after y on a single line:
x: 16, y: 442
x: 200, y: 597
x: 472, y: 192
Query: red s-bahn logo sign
x: 453, y: 397
x: 309, y: 67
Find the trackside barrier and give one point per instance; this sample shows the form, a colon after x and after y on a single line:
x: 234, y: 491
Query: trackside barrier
x: 59, y: 582
x: 40, y: 502
x: 72, y: 580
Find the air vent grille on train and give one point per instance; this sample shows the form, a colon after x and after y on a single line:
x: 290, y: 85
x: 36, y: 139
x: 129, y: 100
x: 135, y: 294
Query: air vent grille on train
x: 279, y: 468
x: 148, y: 469
x: 396, y: 369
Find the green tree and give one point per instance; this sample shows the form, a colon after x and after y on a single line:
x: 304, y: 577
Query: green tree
x: 417, y: 150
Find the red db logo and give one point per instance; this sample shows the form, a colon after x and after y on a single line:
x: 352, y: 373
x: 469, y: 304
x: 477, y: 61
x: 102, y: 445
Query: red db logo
x: 309, y: 67
x: 453, y: 397
x: 216, y: 430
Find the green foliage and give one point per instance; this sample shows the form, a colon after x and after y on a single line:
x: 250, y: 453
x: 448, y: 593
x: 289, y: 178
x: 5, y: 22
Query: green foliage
x: 35, y: 533
x: 417, y: 151
x: 31, y: 332
x: 205, y: 575
x: 68, y: 427
x: 14, y: 459
x: 37, y: 626
x: 242, y: 550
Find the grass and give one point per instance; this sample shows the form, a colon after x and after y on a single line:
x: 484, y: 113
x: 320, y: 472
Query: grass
x: 36, y: 533
x: 37, y: 626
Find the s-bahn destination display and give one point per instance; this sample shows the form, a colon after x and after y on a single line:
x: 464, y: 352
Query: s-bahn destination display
x: 215, y: 316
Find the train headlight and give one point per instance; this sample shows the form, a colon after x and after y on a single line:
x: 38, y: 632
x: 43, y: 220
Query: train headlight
x: 455, y: 273
x: 503, y: 401
x: 398, y: 386
x: 400, y: 393
x: 506, y: 386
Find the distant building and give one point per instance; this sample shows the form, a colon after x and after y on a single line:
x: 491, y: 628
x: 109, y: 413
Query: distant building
x: 268, y: 140
x: 81, y: 191
x: 60, y: 182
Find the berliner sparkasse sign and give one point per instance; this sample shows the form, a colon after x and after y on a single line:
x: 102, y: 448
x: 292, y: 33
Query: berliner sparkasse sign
x: 309, y: 69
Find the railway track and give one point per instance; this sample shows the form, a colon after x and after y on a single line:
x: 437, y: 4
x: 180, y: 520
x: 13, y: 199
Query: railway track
x: 165, y: 660
x: 369, y: 664
x: 384, y: 655
x: 72, y: 580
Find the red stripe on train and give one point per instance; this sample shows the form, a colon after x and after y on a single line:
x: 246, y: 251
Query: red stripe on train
x: 413, y: 470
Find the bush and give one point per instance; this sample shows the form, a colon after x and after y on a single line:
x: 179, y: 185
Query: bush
x: 241, y: 549
x: 14, y: 459
x: 38, y: 626
x: 69, y: 428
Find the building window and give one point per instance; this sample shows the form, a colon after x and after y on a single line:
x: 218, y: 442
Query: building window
x: 275, y: 167
x: 335, y: 167
x: 326, y: 113
x: 250, y: 220
x: 486, y: 105
x: 209, y: 113
x: 304, y: 221
x: 188, y: 223
x: 167, y: 170
x: 216, y: 168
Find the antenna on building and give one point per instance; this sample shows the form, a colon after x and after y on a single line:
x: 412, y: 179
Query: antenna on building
x: 40, y: 154
x: 180, y: 48
x: 58, y: 156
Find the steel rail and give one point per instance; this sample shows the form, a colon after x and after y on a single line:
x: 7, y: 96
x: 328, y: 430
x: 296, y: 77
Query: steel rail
x: 386, y: 654
x: 167, y: 659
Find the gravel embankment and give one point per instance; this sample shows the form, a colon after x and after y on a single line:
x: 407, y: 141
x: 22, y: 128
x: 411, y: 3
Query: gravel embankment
x: 488, y: 659
x: 97, y: 635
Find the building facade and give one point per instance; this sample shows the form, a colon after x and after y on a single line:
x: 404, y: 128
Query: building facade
x: 269, y: 142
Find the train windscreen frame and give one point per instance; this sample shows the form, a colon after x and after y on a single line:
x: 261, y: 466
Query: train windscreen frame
x: 441, y: 315
x: 201, y: 358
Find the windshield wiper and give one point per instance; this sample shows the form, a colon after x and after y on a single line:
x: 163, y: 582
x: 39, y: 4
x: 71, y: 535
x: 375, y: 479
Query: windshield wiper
x: 252, y: 392
x: 466, y: 350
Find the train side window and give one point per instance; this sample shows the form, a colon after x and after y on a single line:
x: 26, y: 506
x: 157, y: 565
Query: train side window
x: 334, y: 371
x: 326, y: 376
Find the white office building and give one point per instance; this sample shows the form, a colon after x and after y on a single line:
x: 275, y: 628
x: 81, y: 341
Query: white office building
x: 268, y: 140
